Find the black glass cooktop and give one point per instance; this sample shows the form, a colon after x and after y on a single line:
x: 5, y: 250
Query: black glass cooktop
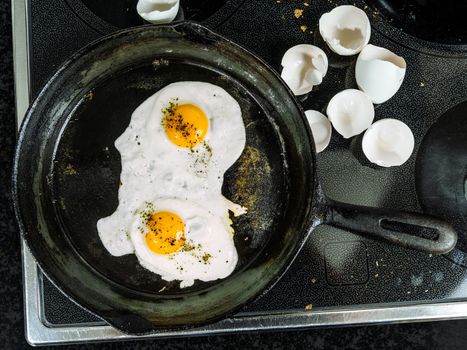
x: 439, y: 21
x: 107, y: 16
x: 336, y: 268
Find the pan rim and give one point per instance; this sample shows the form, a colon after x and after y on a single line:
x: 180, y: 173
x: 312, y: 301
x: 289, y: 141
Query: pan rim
x: 29, y: 117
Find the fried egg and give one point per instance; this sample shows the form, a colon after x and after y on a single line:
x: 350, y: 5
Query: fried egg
x: 178, y: 145
x: 180, y: 240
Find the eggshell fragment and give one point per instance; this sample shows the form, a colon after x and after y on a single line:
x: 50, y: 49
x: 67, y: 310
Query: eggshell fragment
x: 320, y: 128
x: 388, y: 142
x: 158, y: 11
x: 379, y: 73
x: 304, y: 66
x: 350, y: 112
x: 346, y: 29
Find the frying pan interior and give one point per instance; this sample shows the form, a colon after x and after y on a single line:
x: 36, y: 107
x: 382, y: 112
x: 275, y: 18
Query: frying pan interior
x: 67, y: 174
x: 86, y: 167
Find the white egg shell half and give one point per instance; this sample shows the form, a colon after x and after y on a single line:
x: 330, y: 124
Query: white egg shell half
x: 346, y: 29
x: 350, y: 112
x: 388, y: 142
x: 320, y: 128
x: 379, y: 73
x: 158, y: 11
x: 304, y: 66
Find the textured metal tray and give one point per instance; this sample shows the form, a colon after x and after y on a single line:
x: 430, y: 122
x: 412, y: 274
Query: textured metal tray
x: 40, y: 332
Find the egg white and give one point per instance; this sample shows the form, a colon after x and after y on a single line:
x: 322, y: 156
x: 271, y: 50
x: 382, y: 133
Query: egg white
x: 154, y: 168
x: 211, y: 255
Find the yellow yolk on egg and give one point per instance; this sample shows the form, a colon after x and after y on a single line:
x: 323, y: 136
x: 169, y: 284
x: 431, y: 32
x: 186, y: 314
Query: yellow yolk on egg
x: 166, y: 233
x: 185, y: 125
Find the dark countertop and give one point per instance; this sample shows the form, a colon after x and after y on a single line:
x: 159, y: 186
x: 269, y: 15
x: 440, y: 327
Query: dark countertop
x: 435, y: 335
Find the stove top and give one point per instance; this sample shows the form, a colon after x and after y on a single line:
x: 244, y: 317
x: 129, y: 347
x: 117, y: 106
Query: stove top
x: 346, y: 278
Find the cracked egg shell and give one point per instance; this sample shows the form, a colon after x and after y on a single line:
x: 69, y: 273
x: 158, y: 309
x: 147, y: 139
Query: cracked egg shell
x: 158, y: 11
x: 379, y: 73
x: 304, y: 66
x: 320, y: 128
x: 350, y: 112
x: 388, y: 142
x: 346, y: 29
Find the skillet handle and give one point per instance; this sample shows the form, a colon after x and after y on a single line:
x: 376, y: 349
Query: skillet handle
x: 401, y: 228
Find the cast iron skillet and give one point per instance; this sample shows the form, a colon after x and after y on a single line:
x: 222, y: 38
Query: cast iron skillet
x: 66, y: 177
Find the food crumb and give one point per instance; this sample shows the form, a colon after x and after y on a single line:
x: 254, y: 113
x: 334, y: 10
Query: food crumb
x: 422, y: 84
x: 206, y: 257
x: 309, y: 307
x: 313, y: 280
x: 162, y: 289
x: 70, y: 170
x: 306, y: 4
x: 376, y: 275
x: 298, y: 13
x: 303, y: 28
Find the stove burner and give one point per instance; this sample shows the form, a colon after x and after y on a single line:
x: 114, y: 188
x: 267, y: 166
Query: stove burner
x: 106, y: 17
x: 438, y: 21
x: 199, y: 10
x: 441, y: 171
x: 121, y: 14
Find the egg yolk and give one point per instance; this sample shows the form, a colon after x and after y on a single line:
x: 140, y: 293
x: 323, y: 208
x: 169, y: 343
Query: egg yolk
x: 185, y: 125
x: 166, y: 233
